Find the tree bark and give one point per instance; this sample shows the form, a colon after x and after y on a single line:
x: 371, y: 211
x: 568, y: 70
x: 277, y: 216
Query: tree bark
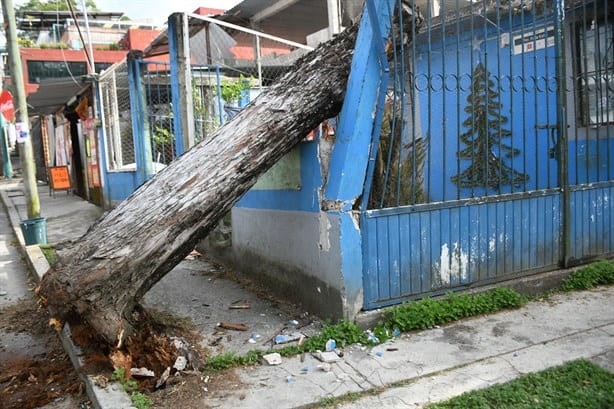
x: 103, y: 276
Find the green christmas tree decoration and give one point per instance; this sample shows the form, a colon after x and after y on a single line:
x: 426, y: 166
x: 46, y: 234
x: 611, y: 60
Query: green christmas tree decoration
x: 483, y: 138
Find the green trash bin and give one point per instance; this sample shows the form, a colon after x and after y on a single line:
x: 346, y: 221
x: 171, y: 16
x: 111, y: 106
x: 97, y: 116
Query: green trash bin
x: 34, y: 231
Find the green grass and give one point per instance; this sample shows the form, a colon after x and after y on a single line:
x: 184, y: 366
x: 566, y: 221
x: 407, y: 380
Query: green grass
x: 413, y: 315
x: 50, y: 254
x: 419, y: 315
x: 599, y: 273
x: 576, y: 385
x: 139, y: 400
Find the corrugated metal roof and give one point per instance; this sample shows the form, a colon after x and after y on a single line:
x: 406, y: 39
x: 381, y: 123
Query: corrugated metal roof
x: 53, y: 94
x: 294, y: 21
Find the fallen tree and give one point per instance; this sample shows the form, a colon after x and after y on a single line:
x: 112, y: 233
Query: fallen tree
x: 104, y: 275
x: 102, y: 278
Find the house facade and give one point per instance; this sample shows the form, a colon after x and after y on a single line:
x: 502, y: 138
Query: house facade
x: 492, y: 161
x: 475, y: 147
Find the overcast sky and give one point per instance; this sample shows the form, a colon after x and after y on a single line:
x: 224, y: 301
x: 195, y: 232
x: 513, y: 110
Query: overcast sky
x: 156, y: 11
x: 159, y: 10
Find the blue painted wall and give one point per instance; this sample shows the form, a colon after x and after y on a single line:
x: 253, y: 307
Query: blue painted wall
x: 304, y: 199
x: 338, y: 230
x: 443, y: 83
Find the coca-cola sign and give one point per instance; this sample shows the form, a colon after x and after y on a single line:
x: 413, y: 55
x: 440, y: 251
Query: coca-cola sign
x: 6, y: 106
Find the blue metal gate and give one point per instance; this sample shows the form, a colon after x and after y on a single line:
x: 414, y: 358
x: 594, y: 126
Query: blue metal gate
x: 495, y: 156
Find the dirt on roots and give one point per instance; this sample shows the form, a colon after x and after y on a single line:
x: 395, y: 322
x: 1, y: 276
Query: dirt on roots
x: 34, y: 369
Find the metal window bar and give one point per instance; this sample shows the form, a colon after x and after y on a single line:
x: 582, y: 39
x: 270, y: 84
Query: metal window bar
x: 468, y: 133
x: 155, y: 76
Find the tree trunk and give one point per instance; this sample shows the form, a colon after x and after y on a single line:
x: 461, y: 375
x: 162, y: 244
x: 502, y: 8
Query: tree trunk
x: 103, y: 277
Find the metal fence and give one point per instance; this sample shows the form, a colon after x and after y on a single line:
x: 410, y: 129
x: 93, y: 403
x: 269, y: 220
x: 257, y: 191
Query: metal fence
x: 116, y: 117
x: 479, y: 92
x: 247, y: 60
x: 156, y: 84
x: 495, y: 156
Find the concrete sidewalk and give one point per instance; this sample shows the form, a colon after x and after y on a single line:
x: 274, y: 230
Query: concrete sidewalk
x: 411, y: 370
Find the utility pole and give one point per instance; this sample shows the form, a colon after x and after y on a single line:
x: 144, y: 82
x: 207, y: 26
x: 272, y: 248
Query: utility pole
x: 26, y: 153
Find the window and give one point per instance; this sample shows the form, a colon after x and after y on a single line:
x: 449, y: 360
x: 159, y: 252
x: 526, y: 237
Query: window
x: 596, y: 79
x: 42, y: 70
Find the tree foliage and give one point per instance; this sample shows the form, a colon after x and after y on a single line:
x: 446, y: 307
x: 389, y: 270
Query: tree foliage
x: 53, y: 5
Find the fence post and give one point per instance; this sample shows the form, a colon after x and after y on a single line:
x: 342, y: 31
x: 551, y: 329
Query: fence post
x: 140, y: 123
x: 181, y: 82
x: 355, y: 137
x: 561, y: 107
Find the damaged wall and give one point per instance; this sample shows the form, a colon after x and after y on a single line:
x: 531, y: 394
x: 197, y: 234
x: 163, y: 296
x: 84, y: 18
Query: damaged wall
x: 282, y: 238
x: 306, y: 243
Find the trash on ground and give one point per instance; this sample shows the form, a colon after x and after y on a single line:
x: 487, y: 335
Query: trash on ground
x: 193, y: 255
x: 379, y: 353
x: 240, y: 305
x: 180, y: 363
x: 216, y: 341
x: 392, y: 349
x: 327, y: 356
x: 284, y: 339
x: 305, y: 369
x: 272, y: 359
x: 293, y: 322
x: 326, y: 367
x: 230, y: 325
x: 331, y: 345
x: 181, y: 345
x: 142, y: 372
x: 163, y: 378
x: 371, y: 337
x: 101, y: 381
x: 289, y: 379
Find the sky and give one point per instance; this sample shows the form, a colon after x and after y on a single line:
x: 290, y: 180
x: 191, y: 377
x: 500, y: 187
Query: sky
x: 157, y: 11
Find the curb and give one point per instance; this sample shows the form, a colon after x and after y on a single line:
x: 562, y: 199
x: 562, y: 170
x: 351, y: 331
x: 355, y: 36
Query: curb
x: 111, y: 397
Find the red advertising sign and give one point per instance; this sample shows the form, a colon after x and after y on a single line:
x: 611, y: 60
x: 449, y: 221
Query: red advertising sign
x: 6, y: 106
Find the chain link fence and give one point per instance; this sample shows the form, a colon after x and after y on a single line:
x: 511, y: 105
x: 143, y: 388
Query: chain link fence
x: 116, y: 117
x: 246, y: 60
x: 156, y: 83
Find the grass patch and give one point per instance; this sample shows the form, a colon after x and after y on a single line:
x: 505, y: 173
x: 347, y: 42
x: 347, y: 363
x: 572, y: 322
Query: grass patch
x: 576, y: 385
x: 427, y: 312
x: 414, y: 315
x: 419, y: 315
x: 139, y: 400
x: 50, y: 254
x: 599, y: 273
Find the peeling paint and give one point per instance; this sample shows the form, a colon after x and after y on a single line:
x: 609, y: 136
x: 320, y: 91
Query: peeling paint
x: 453, y: 266
x: 356, y: 219
x: 444, y: 265
x: 325, y: 227
x: 332, y: 205
x: 461, y: 262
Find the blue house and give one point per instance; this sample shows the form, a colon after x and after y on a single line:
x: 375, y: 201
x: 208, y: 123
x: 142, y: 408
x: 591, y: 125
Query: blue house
x: 475, y: 146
